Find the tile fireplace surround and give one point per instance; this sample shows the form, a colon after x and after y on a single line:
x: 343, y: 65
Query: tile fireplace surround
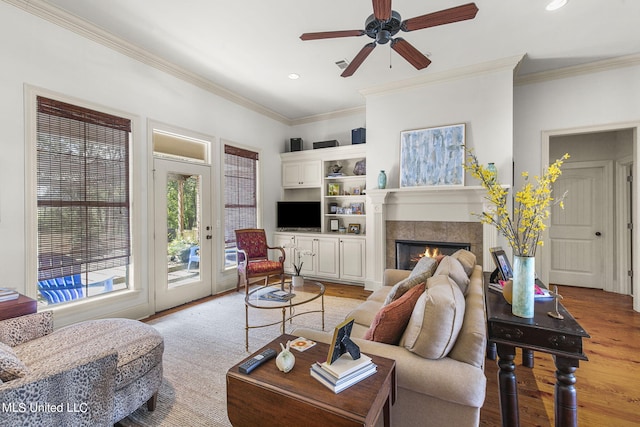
x: 434, y: 231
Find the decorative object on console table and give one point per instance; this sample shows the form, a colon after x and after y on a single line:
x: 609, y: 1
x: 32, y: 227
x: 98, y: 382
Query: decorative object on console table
x: 523, y: 231
x: 524, y: 274
x: 431, y: 157
x: 382, y: 180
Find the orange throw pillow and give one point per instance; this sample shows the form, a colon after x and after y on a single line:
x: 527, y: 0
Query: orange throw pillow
x: 392, y: 319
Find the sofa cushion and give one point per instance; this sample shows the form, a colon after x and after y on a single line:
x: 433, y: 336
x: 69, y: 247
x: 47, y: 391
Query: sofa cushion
x: 467, y: 259
x: 422, y: 271
x: 364, y: 313
x: 436, y: 319
x: 392, y: 319
x: 11, y: 367
x: 449, y: 266
x: 424, y: 265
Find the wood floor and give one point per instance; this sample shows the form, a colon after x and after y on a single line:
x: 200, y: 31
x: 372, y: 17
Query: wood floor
x: 608, y: 385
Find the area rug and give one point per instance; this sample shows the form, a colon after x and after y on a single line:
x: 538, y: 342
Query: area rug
x: 202, y: 342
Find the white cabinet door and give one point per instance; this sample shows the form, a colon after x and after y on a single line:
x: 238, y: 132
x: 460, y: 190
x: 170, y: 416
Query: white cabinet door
x: 308, y: 262
x: 284, y: 240
x: 327, y: 256
x: 352, y: 259
x: 301, y: 174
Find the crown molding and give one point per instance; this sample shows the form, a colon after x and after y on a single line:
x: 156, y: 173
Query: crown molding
x: 577, y: 70
x: 475, y: 70
x: 328, y: 116
x: 85, y: 29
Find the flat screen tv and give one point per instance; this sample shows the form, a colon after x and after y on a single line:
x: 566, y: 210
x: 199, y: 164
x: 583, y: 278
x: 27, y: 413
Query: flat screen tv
x: 298, y: 215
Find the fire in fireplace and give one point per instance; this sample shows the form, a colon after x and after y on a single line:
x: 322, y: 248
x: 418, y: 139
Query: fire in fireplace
x: 409, y: 252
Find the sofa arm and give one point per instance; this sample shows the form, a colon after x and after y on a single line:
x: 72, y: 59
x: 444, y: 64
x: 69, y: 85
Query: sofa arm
x: 80, y: 392
x: 444, y: 379
x: 393, y: 276
x: 18, y: 330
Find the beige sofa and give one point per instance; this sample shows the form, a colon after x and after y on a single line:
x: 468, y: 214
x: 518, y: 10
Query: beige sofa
x: 445, y: 391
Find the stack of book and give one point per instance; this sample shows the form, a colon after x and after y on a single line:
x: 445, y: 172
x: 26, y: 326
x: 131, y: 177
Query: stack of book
x: 344, y: 372
x: 7, y: 294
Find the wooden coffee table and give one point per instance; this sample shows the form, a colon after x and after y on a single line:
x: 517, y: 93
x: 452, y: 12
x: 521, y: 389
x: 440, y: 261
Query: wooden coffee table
x: 269, y: 397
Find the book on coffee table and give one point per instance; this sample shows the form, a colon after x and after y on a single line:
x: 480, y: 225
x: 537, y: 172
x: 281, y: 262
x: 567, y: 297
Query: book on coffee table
x: 344, y: 365
x: 337, y: 385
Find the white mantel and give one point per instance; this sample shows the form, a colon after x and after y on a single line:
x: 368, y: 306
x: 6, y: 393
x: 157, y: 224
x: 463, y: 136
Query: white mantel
x: 442, y: 203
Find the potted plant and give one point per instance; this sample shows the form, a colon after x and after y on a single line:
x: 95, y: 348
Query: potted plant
x: 297, y: 279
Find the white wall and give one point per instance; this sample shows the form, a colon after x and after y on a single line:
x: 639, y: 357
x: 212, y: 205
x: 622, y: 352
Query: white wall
x: 38, y: 53
x: 484, y: 103
x: 604, y: 100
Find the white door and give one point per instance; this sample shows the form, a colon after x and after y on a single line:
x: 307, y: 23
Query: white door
x: 183, y: 233
x: 576, y: 232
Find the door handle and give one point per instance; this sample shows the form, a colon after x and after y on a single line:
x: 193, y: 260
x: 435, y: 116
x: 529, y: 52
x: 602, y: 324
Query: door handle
x: 208, y: 236
x: 598, y: 233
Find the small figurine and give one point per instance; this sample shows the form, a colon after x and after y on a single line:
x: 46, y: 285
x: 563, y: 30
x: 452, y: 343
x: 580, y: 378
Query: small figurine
x: 336, y: 168
x: 285, y: 360
x: 556, y: 296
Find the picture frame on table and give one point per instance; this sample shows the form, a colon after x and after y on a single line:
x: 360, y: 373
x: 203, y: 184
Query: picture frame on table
x: 432, y: 156
x: 334, y: 225
x: 341, y: 342
x: 354, y: 228
x: 502, y: 263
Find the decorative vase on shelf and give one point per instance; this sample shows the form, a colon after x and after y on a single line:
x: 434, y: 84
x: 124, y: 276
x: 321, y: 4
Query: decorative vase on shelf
x: 491, y: 167
x: 524, y: 277
x: 382, y: 180
x: 297, y: 281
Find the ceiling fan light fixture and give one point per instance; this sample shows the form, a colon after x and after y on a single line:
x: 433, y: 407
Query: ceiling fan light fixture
x: 556, y: 4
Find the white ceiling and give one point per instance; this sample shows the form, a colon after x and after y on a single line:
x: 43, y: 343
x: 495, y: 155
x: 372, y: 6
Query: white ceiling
x: 250, y: 47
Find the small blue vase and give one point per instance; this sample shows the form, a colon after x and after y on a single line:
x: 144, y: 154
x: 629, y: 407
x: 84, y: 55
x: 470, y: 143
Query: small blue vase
x: 382, y: 180
x: 491, y: 167
x: 524, y: 277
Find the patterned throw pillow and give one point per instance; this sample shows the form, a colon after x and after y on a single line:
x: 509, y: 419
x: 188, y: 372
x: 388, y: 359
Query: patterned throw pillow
x: 389, y: 324
x: 420, y: 273
x: 11, y: 367
x: 425, y: 265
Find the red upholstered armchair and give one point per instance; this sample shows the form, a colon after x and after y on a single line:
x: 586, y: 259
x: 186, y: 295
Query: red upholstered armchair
x: 253, y: 258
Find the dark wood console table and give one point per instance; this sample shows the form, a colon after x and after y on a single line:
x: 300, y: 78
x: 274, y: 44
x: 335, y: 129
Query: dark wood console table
x: 560, y: 338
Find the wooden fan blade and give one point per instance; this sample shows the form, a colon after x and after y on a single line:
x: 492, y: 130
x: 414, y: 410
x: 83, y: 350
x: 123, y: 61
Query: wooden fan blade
x: 382, y: 9
x: 359, y: 59
x: 447, y: 16
x: 410, y: 53
x: 331, y: 34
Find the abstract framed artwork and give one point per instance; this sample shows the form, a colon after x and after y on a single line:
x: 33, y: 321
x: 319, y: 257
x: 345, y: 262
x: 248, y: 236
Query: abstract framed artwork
x: 432, y: 156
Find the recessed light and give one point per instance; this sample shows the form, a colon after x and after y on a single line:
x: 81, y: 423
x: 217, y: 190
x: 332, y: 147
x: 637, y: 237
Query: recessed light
x: 294, y: 76
x: 556, y: 4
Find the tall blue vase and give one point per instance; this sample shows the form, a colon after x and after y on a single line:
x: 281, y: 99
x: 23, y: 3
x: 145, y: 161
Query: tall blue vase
x: 382, y: 180
x: 524, y: 277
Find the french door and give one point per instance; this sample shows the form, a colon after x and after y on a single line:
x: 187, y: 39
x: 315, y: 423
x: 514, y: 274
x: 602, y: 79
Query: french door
x: 183, y: 233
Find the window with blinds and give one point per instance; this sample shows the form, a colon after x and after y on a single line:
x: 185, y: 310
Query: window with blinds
x: 82, y: 196
x: 240, y: 194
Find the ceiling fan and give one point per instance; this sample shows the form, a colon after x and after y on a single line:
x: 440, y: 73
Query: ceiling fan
x: 386, y: 23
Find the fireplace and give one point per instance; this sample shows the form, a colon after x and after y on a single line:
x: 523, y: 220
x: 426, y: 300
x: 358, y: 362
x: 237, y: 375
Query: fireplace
x: 409, y: 252
x: 465, y: 235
